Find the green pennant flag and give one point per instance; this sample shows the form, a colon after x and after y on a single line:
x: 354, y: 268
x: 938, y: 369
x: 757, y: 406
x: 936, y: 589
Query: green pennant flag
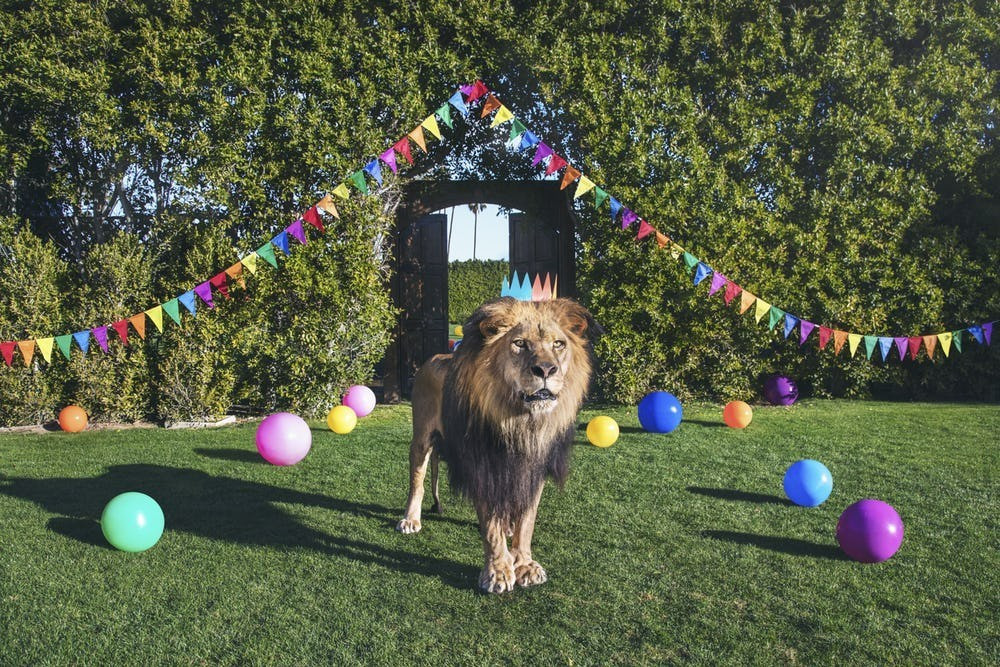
x: 172, y: 309
x: 870, y: 343
x: 444, y: 113
x: 690, y: 260
x: 358, y: 178
x: 64, y: 343
x: 517, y: 128
x: 266, y: 252
x: 957, y: 339
x: 774, y: 316
x: 600, y: 196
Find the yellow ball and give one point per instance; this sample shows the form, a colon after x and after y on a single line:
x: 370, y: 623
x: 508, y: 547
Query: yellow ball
x: 458, y: 331
x: 602, y: 431
x: 342, y: 419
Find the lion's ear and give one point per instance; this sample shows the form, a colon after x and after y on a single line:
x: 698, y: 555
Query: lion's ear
x: 493, y: 319
x: 580, y: 322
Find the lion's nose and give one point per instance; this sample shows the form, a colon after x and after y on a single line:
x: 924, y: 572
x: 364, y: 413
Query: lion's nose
x: 543, y: 369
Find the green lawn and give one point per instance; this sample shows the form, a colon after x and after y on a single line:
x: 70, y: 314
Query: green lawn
x: 662, y: 548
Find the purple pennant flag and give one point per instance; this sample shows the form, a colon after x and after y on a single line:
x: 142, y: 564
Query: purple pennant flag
x: 375, y: 171
x: 389, y: 157
x: 628, y: 217
x: 101, y: 334
x: 295, y: 229
x: 701, y: 272
x: 204, y: 290
x: 885, y: 346
x: 805, y: 328
x: 718, y: 282
x: 988, y: 332
x: 541, y: 153
x: 467, y: 89
x: 790, y: 322
x: 977, y: 333
x: 901, y: 345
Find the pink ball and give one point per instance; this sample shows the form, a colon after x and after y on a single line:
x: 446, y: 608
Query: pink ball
x: 361, y: 399
x: 283, y: 439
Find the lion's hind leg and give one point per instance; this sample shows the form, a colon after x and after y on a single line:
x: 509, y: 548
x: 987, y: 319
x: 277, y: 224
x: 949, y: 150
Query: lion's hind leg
x: 420, y: 454
x: 435, y: 464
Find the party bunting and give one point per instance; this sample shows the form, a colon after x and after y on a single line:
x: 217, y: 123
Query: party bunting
x: 457, y: 102
x: 628, y: 217
x: 517, y: 128
x: 266, y: 252
x: 732, y: 289
x: 701, y: 272
x: 805, y: 328
x: 121, y: 328
x: 790, y: 323
x: 235, y: 273
x: 218, y: 281
x: 155, y: 315
x: 600, y: 196
x: 945, y: 340
x: 417, y: 135
x: 342, y: 191
x: 7, y: 349
x: 502, y: 116
x: 885, y: 345
x: 645, y: 229
x: 491, y: 104
x: 901, y: 346
x: 45, y: 347
x: 913, y: 343
x: 101, y: 336
x: 82, y: 339
x: 569, y: 176
x: 541, y: 153
x: 555, y: 164
x: 615, y: 207
x: 444, y: 113
x: 746, y: 300
x: 762, y: 309
x: 27, y: 348
x: 204, y: 291
x: 281, y: 240
x: 374, y: 170
x: 528, y: 140
x: 312, y: 215
x: 296, y: 230
x: 188, y: 301
x: 172, y: 308
x: 358, y: 178
x: 930, y: 344
x: 430, y: 124
x: 956, y: 340
x: 718, y: 280
x: 853, y: 341
x: 839, y: 338
x: 870, y: 343
x: 774, y: 316
x: 64, y: 342
x: 662, y: 240
x: 389, y: 157
x: 583, y: 187
x: 403, y: 148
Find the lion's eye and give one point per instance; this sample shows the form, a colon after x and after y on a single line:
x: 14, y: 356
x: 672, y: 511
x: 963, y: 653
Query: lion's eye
x: 519, y: 342
x: 559, y: 344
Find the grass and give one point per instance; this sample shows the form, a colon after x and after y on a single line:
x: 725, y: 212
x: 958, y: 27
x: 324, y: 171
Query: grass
x: 662, y: 548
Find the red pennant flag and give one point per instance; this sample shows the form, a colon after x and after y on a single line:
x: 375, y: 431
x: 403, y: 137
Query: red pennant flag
x: 569, y: 176
x: 824, y: 336
x: 645, y: 229
x: 478, y: 90
x: 312, y: 217
x: 403, y: 148
x: 732, y: 291
x: 219, y: 282
x: 121, y: 326
x: 914, y: 345
x: 7, y: 348
x: 555, y: 164
x: 489, y: 105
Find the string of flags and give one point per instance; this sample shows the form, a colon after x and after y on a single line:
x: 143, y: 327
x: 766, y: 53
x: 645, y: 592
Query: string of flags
x: 526, y: 290
x: 521, y: 139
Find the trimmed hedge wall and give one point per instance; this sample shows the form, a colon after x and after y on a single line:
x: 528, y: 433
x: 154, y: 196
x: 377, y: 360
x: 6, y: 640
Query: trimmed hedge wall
x: 471, y: 283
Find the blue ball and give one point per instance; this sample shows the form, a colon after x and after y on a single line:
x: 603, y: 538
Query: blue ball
x: 808, y: 483
x: 660, y: 412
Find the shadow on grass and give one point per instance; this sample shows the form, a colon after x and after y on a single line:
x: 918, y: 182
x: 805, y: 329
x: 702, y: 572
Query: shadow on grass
x: 240, y: 455
x: 785, y: 545
x: 229, y: 510
x: 705, y: 422
x: 735, y: 494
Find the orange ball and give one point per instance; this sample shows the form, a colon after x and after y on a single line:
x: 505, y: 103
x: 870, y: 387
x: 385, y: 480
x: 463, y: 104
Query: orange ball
x: 737, y: 414
x: 73, y: 419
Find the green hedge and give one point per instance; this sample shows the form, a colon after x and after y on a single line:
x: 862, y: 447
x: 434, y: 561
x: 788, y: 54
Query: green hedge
x: 471, y: 283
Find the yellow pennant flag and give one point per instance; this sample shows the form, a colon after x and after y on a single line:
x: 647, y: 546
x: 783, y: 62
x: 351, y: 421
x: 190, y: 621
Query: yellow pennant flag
x: 746, y: 300
x: 503, y: 115
x: 432, y: 126
x: 763, y: 308
x: 250, y: 262
x: 342, y: 191
x: 417, y: 135
x: 945, y: 340
x: 27, y: 348
x: 584, y: 186
x: 852, y: 341
x: 45, y: 345
x: 326, y: 204
x: 156, y: 314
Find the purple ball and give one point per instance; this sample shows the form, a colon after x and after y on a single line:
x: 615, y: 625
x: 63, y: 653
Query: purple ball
x: 283, y: 439
x: 780, y: 390
x: 870, y: 531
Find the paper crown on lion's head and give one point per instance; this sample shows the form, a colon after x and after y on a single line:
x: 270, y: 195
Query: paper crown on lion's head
x: 525, y: 289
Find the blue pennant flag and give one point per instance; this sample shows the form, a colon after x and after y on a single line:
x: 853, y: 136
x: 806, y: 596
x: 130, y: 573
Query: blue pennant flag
x: 977, y: 333
x: 701, y: 272
x: 615, y: 207
x: 457, y: 102
x: 528, y: 139
x: 885, y: 345
x: 281, y: 240
x: 188, y: 300
x: 790, y: 323
x: 375, y: 171
x: 82, y: 339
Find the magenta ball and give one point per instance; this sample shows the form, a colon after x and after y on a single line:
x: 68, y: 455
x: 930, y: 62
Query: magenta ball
x: 283, y: 439
x: 361, y: 399
x: 780, y: 390
x: 870, y: 531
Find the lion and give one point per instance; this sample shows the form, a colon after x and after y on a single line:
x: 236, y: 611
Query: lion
x: 501, y: 413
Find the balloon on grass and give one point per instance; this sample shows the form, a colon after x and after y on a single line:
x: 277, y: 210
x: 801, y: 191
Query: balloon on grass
x: 870, y: 531
x: 808, y: 483
x: 341, y: 419
x: 132, y: 521
x: 660, y: 412
x: 72, y: 419
x: 780, y: 390
x: 283, y: 439
x: 737, y: 414
x: 602, y: 431
x: 361, y: 399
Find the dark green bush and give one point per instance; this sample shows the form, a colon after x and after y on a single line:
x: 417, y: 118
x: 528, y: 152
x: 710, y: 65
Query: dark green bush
x: 471, y: 283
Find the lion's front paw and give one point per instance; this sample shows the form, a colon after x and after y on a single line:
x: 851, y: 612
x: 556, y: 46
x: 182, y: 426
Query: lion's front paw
x: 497, y: 577
x: 530, y: 574
x: 408, y: 526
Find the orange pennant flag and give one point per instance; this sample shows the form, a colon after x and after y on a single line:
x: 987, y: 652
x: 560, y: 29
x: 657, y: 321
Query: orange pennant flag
x: 930, y: 342
x: 139, y: 324
x: 746, y: 300
x: 662, y: 240
x: 326, y: 204
x: 489, y: 105
x: 839, y: 338
x: 569, y: 176
x: 236, y: 273
x: 27, y: 348
x: 418, y: 137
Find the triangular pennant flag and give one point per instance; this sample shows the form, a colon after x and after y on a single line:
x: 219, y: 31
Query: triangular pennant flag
x: 956, y: 340
x: 528, y: 139
x: 536, y: 289
x: 853, y: 340
x: 101, y: 336
x: 988, y: 332
x: 570, y: 175
x: 824, y: 336
x: 235, y: 272
x: 600, y: 196
x: 358, y: 178
x: 249, y: 262
x: 489, y: 105
x: 502, y: 116
x: 901, y: 345
x: 82, y: 339
x: 64, y: 343
x: 342, y: 191
x: 542, y: 152
x: 583, y: 187
x: 431, y: 125
x: 7, y: 349
x: 805, y: 328
x: 374, y: 170
x: 645, y: 229
x: 546, y: 288
x: 403, y: 148
x: 732, y: 290
x: 155, y: 314
x: 701, y: 272
x: 172, y: 308
x: 189, y: 302
x: 945, y: 340
x: 774, y: 316
x: 885, y: 346
x: 389, y: 157
x: 555, y: 164
x: 761, y: 309
x: 690, y: 260
x: 718, y: 280
x: 977, y: 333
x: 478, y: 90
x: 517, y: 128
x: 790, y: 323
x: 266, y: 252
x: 417, y: 135
x: 121, y: 328
x: 914, y: 345
x: 296, y: 230
x: 930, y: 342
x: 312, y: 215
x: 444, y: 113
x: 628, y: 217
x: 204, y: 290
x: 870, y: 343
x: 839, y: 338
x: 281, y: 240
x: 615, y: 207
x: 45, y: 346
x: 218, y: 281
x: 27, y: 348
x: 746, y: 300
x: 457, y: 102
x: 662, y: 240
